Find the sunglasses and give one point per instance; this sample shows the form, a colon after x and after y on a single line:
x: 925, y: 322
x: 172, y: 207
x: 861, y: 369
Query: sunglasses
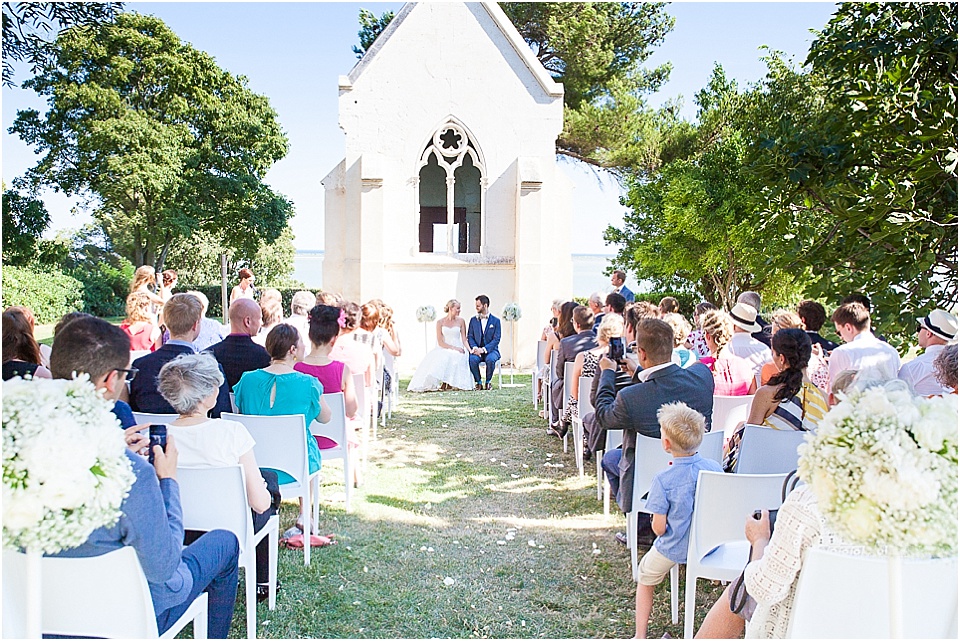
x: 128, y: 374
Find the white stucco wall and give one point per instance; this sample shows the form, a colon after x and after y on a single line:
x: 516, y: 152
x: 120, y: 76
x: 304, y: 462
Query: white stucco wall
x: 443, y: 60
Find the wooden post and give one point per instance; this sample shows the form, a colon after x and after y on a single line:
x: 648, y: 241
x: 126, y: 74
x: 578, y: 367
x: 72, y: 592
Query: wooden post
x: 224, y: 302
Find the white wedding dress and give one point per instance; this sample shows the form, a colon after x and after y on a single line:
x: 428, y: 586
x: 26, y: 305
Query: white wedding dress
x: 443, y: 365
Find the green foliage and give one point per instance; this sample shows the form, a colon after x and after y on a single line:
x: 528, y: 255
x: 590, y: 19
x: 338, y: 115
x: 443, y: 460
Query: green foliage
x: 370, y: 27
x: 26, y: 25
x: 106, y: 276
x: 597, y: 49
x: 24, y: 221
x: 47, y: 291
x: 166, y: 142
x: 864, y: 146
x: 200, y: 261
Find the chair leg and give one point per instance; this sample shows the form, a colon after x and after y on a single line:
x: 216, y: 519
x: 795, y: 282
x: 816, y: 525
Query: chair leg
x: 606, y: 495
x: 305, y: 519
x: 274, y: 539
x: 689, y: 603
x: 250, y: 577
x: 632, y: 542
x: 347, y: 477
x: 578, y: 444
x: 600, y: 476
x: 675, y: 594
x: 200, y: 621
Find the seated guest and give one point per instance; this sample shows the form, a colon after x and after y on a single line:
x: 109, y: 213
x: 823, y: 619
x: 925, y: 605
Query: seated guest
x: 753, y: 300
x: 634, y: 408
x: 300, y: 306
x: 669, y: 305
x: 933, y: 332
x: 817, y: 370
x: 585, y: 363
x: 329, y: 298
x: 551, y: 326
x: 348, y: 349
x: 742, y: 343
x: 646, y: 309
x: 191, y: 383
x: 732, y: 375
x: 582, y: 341
x: 140, y: 325
x: 182, y: 314
x: 789, y: 401
x: 860, y: 349
x: 151, y: 521
x: 92, y: 346
x: 21, y: 352
x: 237, y: 353
x: 272, y: 315
x: 278, y: 389
x: 695, y: 340
x: 945, y: 368
x: 595, y: 303
x: 840, y: 385
x: 814, y: 316
x: 32, y: 322
x: 211, y: 332
x: 615, y: 304
x: 681, y: 329
x: 334, y: 376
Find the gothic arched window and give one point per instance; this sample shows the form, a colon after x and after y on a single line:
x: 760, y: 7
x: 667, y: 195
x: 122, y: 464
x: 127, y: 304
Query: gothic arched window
x: 451, y: 185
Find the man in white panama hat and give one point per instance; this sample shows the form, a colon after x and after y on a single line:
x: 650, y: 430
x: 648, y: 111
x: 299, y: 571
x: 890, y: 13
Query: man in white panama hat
x: 744, y: 345
x: 934, y: 331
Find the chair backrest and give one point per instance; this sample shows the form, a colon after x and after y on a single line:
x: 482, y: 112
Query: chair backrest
x: 722, y: 504
x: 541, y: 354
x: 712, y: 446
x: 584, y: 386
x: 336, y: 428
x: 764, y: 450
x: 363, y: 404
x: 102, y: 596
x: 137, y: 353
x: 281, y: 442
x: 614, y: 439
x: 215, y: 498
x: 728, y: 411
x: 568, y: 383
x: 651, y: 459
x: 842, y: 596
x: 142, y: 418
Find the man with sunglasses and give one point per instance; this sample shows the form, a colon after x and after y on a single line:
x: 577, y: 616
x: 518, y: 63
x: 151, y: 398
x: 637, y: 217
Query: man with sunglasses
x: 89, y: 345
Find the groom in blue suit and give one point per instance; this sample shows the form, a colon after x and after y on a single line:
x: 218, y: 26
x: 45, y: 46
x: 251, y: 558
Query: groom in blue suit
x: 483, y: 336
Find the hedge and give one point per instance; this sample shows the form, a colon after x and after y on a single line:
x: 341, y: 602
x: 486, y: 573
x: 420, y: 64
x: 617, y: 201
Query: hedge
x: 49, y: 293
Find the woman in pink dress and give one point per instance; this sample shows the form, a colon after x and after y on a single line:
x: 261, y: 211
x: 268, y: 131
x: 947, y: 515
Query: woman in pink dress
x: 335, y: 376
x: 139, y: 324
x: 732, y: 375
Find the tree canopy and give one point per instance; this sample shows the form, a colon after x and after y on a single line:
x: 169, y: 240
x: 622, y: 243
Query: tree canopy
x: 370, y: 27
x: 24, y: 221
x: 164, y: 141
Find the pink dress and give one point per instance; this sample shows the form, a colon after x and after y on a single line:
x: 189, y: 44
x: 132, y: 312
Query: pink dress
x: 139, y: 334
x: 331, y: 377
x: 355, y: 354
x: 732, y: 375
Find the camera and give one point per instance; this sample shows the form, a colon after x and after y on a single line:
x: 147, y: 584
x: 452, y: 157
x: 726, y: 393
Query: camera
x: 158, y: 436
x: 616, y: 349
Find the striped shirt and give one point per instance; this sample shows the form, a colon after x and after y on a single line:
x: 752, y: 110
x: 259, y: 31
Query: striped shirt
x: 803, y: 412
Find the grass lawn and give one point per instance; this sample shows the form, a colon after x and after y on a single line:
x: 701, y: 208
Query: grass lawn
x: 463, y: 486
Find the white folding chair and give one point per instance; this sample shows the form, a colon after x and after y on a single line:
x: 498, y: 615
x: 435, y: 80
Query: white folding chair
x: 364, y: 414
x: 393, y: 397
x: 764, y: 450
x: 718, y: 548
x: 537, y: 377
x: 142, y: 418
x: 842, y: 596
x: 712, y: 446
x: 497, y: 370
x: 728, y: 412
x: 215, y: 498
x: 568, y: 384
x: 650, y: 460
x: 583, y: 407
x: 281, y: 444
x: 104, y: 596
x: 335, y: 430
x: 613, y: 441
x: 137, y: 353
x: 548, y: 394
x: 233, y: 403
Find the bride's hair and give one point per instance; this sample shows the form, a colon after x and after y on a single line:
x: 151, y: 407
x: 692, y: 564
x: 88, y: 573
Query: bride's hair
x: 453, y: 302
x: 323, y: 324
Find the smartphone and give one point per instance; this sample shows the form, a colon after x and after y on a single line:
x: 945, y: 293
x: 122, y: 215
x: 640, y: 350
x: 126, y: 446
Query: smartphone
x: 616, y: 349
x: 158, y: 436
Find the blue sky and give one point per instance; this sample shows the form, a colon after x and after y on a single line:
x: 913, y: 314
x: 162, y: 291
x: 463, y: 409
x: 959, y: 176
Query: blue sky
x: 293, y: 53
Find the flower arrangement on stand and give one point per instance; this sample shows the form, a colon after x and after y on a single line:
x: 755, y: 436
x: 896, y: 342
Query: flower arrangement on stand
x: 511, y: 314
x: 426, y: 314
x: 65, y: 472
x: 883, y: 466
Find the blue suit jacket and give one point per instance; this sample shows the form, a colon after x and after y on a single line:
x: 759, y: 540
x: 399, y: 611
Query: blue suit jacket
x: 634, y: 409
x: 627, y: 294
x: 144, y: 396
x: 489, y: 339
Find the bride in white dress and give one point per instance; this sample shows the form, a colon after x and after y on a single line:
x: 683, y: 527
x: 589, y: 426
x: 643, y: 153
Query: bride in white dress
x: 448, y: 365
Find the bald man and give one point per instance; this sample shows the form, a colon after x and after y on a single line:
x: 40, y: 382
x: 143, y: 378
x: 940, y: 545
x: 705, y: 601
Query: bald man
x: 237, y: 353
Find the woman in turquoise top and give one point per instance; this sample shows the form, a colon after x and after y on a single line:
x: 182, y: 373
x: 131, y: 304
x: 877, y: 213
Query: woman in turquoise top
x: 278, y: 389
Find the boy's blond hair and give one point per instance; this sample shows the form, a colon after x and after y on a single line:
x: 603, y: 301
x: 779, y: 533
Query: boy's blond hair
x: 682, y: 425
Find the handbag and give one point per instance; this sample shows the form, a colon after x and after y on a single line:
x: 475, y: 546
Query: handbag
x: 739, y: 598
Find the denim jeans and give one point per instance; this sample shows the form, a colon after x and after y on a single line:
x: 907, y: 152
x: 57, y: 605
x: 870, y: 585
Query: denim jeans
x: 212, y: 560
x: 611, y: 467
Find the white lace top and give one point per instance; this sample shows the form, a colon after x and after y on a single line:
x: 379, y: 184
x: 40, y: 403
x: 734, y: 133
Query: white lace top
x: 772, y: 579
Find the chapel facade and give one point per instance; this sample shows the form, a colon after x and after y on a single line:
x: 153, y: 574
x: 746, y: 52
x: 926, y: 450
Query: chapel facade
x: 449, y: 186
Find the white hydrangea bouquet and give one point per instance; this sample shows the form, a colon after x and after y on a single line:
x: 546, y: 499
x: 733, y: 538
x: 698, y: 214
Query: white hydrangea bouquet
x: 883, y: 466
x: 64, y: 468
x: 426, y: 314
x: 511, y: 312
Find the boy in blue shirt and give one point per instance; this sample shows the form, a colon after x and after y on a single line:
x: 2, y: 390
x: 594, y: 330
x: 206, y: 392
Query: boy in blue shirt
x: 670, y: 501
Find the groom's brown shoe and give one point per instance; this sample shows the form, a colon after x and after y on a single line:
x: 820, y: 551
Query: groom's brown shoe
x: 478, y: 387
x: 489, y: 386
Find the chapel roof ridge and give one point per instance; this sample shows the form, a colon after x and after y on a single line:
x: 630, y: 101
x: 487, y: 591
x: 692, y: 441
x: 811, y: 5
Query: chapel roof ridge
x: 550, y: 86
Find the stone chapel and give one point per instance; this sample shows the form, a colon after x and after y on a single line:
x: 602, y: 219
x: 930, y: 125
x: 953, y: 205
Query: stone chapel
x: 449, y: 186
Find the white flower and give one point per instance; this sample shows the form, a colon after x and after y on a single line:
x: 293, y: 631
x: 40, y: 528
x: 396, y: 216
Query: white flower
x: 512, y: 312
x: 426, y: 314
